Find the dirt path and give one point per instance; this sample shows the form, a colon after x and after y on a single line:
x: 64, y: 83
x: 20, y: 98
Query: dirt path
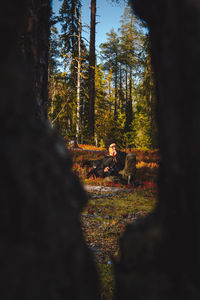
x: 98, y: 191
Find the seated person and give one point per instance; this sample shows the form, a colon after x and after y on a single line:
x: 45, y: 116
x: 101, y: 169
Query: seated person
x: 117, y: 165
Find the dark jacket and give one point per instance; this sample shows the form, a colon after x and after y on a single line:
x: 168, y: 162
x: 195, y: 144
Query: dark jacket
x: 115, y: 164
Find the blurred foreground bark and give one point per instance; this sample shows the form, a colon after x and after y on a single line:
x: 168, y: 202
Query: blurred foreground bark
x: 42, y: 254
x: 160, y: 255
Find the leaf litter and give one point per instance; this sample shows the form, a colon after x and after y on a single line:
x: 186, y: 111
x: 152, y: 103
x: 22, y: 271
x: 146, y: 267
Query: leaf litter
x: 104, y: 221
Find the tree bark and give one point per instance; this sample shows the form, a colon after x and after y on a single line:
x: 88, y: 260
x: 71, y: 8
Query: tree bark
x: 121, y: 93
x: 78, y: 110
x: 160, y: 255
x: 116, y: 93
x: 35, y: 47
x: 126, y: 85
x: 43, y: 254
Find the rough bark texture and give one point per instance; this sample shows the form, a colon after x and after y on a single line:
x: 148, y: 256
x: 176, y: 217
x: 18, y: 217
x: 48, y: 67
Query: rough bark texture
x: 35, y: 46
x: 42, y: 251
x: 160, y: 256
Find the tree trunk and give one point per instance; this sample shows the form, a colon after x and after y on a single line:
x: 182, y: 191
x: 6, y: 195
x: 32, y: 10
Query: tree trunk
x: 126, y: 78
x: 43, y: 254
x: 78, y: 110
x: 116, y: 94
x: 91, y: 120
x: 109, y: 92
x: 129, y: 108
x: 35, y: 45
x: 160, y: 255
x: 130, y: 95
x: 121, y: 92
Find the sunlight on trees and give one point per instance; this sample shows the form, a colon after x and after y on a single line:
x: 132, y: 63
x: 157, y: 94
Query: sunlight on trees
x: 124, y: 104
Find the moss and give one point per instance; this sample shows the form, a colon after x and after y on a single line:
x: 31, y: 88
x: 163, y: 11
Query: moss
x: 104, y: 221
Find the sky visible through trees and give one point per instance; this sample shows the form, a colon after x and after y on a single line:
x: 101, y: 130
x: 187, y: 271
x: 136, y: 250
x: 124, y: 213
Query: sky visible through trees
x: 108, y: 16
x: 122, y: 104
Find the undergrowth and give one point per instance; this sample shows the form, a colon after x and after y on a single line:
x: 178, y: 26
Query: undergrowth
x: 104, y: 219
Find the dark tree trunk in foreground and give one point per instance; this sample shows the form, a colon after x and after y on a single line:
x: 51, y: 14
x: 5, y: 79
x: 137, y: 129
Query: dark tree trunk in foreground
x: 91, y: 119
x: 160, y: 256
x: 35, y: 47
x: 43, y: 254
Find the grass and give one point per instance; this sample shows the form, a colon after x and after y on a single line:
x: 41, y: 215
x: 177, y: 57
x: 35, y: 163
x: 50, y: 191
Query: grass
x: 104, y: 219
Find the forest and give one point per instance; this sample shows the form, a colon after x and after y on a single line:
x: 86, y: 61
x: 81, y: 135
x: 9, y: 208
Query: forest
x: 93, y: 96
x: 58, y: 239
x: 96, y: 95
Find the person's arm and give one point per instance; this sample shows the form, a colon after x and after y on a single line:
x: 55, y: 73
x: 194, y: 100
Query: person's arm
x: 109, y: 164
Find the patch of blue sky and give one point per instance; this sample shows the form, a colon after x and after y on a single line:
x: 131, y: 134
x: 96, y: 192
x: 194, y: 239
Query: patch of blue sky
x: 108, y: 16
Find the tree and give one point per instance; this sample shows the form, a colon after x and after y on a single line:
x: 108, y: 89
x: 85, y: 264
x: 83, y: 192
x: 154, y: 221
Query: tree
x: 110, y: 55
x: 43, y: 253
x: 70, y: 19
x: 130, y: 41
x: 70, y: 22
x: 166, y: 259
x: 147, y: 94
x: 102, y: 106
x: 126, y: 57
x: 127, y: 47
x: 92, y: 59
x: 34, y: 41
x: 78, y: 109
x: 53, y: 68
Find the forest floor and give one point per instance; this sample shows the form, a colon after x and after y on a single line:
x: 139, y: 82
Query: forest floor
x: 111, y: 207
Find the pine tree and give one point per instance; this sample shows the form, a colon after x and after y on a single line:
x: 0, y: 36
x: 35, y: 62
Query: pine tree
x: 92, y: 61
x: 149, y: 92
x: 110, y: 55
x: 127, y: 39
x: 144, y: 124
x: 53, y: 67
x: 101, y: 105
x: 70, y: 43
x: 69, y: 18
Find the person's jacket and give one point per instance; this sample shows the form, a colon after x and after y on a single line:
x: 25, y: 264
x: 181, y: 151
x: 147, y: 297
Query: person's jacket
x: 115, y: 164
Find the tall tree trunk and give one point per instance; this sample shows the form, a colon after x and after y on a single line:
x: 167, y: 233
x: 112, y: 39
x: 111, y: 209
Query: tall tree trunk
x: 126, y: 78
x: 78, y: 109
x: 160, y: 255
x: 116, y: 94
x: 121, y: 93
x: 109, y: 92
x: 92, y: 58
x: 43, y: 254
x: 129, y: 108
x: 35, y: 47
x: 130, y: 95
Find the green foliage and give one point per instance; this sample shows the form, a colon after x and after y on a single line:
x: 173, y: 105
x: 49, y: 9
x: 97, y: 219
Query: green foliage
x: 110, y: 51
x: 104, y: 221
x: 147, y: 164
x: 69, y: 20
x: 125, y: 98
x: 141, y: 131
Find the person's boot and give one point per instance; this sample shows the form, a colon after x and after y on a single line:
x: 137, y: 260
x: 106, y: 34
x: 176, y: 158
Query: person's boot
x: 129, y: 171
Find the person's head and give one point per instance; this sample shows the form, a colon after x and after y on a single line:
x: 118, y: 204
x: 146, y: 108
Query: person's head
x: 112, y: 149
